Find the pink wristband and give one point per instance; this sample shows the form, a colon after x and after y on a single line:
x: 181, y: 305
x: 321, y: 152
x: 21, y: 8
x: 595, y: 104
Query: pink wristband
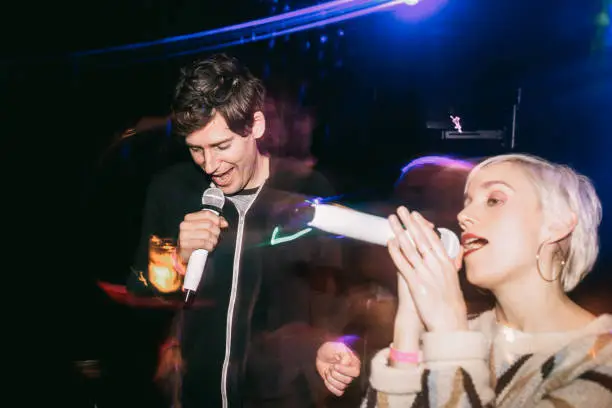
x: 403, y: 357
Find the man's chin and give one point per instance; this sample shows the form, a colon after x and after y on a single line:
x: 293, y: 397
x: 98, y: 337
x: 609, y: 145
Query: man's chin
x: 228, y: 189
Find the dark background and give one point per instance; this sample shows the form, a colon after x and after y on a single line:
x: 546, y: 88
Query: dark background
x: 373, y: 85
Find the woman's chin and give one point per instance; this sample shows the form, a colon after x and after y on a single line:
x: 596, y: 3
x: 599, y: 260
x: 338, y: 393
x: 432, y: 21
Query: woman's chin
x: 478, y: 278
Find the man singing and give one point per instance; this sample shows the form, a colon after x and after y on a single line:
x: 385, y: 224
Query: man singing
x: 256, y: 344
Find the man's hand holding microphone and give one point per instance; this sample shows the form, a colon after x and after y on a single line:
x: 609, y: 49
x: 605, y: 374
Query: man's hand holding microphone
x: 198, y: 235
x: 199, y: 230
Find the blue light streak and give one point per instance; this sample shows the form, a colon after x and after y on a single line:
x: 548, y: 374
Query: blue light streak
x: 256, y: 30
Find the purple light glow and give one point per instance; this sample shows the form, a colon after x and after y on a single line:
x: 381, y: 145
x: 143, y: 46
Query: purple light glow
x: 442, y: 161
x: 419, y: 10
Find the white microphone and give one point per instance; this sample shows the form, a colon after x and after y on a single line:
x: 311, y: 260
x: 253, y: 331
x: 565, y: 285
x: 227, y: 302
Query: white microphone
x: 212, y: 200
x: 367, y: 227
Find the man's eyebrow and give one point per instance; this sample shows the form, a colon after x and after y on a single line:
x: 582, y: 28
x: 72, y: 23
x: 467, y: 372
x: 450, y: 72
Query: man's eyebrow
x: 220, y: 142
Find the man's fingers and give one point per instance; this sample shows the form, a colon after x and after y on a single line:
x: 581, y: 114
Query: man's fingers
x: 346, y: 373
x: 200, y: 225
x: 333, y: 389
x: 349, y: 365
x: 334, y: 385
x: 187, y: 247
x: 202, y: 231
x: 203, y: 216
x: 341, y: 377
x: 223, y: 223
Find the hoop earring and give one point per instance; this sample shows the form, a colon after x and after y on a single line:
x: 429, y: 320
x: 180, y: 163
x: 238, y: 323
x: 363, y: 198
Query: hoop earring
x: 540, y: 270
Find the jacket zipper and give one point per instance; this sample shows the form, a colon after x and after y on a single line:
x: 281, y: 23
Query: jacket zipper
x: 232, y: 301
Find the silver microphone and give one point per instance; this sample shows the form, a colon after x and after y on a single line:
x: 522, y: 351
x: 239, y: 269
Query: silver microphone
x: 212, y: 200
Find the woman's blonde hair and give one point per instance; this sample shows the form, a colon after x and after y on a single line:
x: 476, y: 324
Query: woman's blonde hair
x: 562, y: 190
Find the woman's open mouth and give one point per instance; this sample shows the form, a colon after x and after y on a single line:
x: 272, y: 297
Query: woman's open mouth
x: 472, y: 243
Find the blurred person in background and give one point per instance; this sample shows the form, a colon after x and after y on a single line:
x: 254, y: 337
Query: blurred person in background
x: 434, y: 186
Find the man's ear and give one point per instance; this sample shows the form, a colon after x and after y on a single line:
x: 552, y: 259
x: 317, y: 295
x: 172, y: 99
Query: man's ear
x: 561, y: 227
x: 259, y: 124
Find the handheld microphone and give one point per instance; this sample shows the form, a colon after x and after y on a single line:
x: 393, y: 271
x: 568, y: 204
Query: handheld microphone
x: 365, y: 227
x: 212, y: 200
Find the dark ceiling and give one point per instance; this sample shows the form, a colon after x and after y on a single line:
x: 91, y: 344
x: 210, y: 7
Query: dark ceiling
x: 64, y: 26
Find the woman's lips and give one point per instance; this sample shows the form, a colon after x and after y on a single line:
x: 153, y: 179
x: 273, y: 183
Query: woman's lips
x: 472, y: 243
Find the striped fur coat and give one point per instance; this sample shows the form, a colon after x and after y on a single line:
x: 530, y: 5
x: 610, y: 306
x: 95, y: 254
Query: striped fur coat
x: 495, y: 366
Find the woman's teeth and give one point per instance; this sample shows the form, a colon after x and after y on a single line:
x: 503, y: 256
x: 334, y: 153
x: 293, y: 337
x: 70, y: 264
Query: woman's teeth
x: 474, y: 243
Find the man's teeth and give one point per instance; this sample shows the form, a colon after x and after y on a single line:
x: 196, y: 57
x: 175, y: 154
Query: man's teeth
x: 223, y: 176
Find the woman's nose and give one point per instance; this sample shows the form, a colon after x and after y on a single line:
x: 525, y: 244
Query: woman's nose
x: 465, y: 220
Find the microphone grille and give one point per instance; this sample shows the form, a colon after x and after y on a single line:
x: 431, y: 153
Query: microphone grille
x: 213, y: 197
x: 450, y: 241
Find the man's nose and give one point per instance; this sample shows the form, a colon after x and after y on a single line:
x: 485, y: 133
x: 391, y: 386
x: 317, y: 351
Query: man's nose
x: 210, y: 162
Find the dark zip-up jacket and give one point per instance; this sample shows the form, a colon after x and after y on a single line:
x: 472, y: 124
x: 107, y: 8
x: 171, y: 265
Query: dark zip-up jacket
x: 253, y: 343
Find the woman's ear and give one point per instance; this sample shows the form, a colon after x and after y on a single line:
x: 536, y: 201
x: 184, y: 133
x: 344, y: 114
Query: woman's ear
x: 561, y: 227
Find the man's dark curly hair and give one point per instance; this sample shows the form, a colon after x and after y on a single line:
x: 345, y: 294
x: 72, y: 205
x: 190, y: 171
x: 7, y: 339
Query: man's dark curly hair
x: 216, y: 84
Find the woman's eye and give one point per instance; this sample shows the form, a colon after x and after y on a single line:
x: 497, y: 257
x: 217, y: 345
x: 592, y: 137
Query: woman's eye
x: 492, y: 201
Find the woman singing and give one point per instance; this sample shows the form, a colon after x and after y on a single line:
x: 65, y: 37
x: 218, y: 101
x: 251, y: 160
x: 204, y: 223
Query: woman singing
x: 529, y: 237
